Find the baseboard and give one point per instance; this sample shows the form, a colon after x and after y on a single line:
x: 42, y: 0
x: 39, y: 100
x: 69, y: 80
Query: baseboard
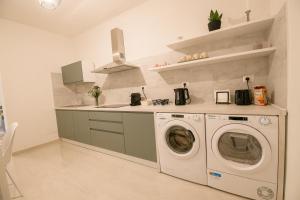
x: 51, y: 140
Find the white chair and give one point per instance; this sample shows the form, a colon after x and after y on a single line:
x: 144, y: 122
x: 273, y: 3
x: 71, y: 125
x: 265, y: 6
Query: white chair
x: 6, y: 153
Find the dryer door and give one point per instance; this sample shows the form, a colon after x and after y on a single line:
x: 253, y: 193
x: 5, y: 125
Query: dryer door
x: 241, y: 148
x: 180, y: 139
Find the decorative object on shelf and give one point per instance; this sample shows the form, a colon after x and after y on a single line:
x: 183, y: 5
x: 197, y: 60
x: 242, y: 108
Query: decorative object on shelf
x: 227, y: 33
x: 214, y: 20
x: 265, y: 52
x: 195, y: 56
x: 262, y: 45
x: 222, y: 97
x: 248, y: 12
x: 95, y: 92
x: 260, y: 95
x: 50, y: 4
x: 161, y: 65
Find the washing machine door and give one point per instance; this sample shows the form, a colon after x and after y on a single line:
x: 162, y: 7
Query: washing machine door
x: 180, y: 139
x: 241, y: 148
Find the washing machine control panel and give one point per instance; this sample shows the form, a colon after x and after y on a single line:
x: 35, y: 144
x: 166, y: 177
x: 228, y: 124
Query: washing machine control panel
x: 167, y: 116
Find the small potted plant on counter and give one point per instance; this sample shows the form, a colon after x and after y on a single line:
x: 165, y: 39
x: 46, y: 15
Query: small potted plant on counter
x: 214, y: 20
x: 95, y: 92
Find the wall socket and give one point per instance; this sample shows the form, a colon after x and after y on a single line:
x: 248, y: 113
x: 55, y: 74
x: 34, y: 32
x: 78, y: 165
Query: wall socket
x: 251, y: 78
x: 186, y: 83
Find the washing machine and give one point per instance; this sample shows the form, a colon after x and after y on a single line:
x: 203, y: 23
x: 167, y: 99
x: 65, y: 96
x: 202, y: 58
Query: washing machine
x: 242, y: 155
x: 181, y: 146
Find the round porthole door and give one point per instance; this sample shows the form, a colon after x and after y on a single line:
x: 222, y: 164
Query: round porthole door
x: 241, y: 148
x: 180, y: 139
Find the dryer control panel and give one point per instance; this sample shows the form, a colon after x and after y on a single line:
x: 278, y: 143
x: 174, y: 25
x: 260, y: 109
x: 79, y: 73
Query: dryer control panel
x: 259, y: 121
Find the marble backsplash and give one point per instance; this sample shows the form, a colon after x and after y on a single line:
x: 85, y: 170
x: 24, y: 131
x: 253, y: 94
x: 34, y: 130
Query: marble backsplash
x: 202, y: 80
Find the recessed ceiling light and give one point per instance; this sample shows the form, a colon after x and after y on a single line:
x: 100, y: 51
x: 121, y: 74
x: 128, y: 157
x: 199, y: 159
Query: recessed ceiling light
x: 50, y: 4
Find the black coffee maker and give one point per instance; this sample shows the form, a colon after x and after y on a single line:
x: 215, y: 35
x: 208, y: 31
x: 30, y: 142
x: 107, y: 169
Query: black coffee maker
x: 182, y: 96
x: 135, y: 99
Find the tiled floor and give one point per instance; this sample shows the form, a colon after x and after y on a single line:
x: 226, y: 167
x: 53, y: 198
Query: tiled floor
x: 61, y: 171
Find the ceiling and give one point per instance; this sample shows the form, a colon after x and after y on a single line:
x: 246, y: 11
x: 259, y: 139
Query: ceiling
x: 70, y: 18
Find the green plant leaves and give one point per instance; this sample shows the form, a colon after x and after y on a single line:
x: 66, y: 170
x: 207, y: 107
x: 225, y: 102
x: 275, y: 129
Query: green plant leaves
x: 215, y: 16
x: 95, y: 91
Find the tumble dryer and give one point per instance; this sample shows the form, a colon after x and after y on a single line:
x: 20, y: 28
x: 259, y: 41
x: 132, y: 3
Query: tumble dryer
x: 242, y: 155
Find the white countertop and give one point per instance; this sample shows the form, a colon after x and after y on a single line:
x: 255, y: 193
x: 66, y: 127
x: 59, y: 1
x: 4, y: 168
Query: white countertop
x: 193, y: 108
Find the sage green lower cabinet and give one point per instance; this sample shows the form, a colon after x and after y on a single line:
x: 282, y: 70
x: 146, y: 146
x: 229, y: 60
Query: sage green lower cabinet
x: 108, y: 140
x: 81, y: 127
x: 129, y: 133
x: 139, y: 133
x: 107, y: 130
x: 65, y: 124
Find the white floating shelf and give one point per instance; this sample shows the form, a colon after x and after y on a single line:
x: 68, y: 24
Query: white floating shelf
x: 219, y: 59
x: 225, y: 33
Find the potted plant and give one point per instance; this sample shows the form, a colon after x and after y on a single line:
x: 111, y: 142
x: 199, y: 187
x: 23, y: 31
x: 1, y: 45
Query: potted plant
x: 214, y: 20
x: 95, y: 92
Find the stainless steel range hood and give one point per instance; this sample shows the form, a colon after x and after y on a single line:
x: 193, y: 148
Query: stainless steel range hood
x: 118, y: 50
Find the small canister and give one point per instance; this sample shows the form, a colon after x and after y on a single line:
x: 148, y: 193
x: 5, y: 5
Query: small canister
x: 260, y: 95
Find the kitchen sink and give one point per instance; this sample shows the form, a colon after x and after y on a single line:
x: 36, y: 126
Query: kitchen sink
x: 112, y: 106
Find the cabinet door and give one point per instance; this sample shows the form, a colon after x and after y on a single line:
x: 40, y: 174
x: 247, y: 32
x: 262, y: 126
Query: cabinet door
x: 139, y: 135
x: 81, y: 127
x: 65, y: 124
x: 108, y: 140
x: 72, y: 73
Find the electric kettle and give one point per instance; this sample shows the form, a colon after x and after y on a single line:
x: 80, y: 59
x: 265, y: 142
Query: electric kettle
x: 182, y: 96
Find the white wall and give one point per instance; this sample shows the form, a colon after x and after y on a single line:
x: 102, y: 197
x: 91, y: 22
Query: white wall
x: 152, y: 25
x: 276, y: 5
x: 27, y: 56
x: 293, y: 139
x: 148, y: 29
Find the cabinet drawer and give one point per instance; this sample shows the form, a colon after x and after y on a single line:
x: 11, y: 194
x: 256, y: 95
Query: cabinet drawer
x: 106, y: 116
x: 107, y: 140
x: 107, y: 126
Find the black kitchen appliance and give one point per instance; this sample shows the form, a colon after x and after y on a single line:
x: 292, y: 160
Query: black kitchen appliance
x: 243, y: 97
x: 182, y: 96
x: 135, y: 99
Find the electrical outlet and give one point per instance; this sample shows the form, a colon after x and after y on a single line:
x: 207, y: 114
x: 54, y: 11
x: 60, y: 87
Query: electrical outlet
x: 187, y: 84
x: 251, y: 78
